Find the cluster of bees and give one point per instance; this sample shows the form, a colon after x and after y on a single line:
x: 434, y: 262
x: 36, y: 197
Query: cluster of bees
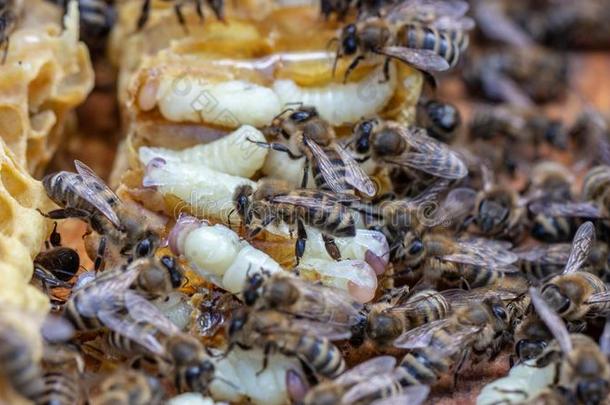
x: 477, y: 266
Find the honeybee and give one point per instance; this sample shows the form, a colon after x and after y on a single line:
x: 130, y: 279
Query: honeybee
x: 479, y: 328
x: 440, y: 119
x: 518, y: 75
x: 128, y: 387
x: 18, y: 365
x: 274, y: 202
x: 289, y: 294
x: 308, y: 340
x: 335, y: 391
x: 217, y: 7
x: 574, y: 294
x: 518, y: 125
x: 8, y: 22
x: 96, y: 20
x: 307, y: 135
x: 390, y: 144
x: 160, y: 277
x: 387, y: 321
x: 63, y: 366
x: 450, y: 263
x: 591, y: 133
x: 583, y: 372
x: 431, y: 40
x: 85, y: 196
x: 107, y: 301
x: 595, y: 190
x: 341, y: 8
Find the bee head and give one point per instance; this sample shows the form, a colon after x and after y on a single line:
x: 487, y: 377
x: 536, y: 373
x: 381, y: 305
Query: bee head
x: 251, y: 293
x: 349, y: 39
x: 241, y: 198
x: 174, y: 271
x: 414, y: 249
x: 444, y: 116
x: 491, y: 215
x: 303, y: 114
x: 146, y: 246
x: 527, y: 349
x: 238, y: 321
x: 383, y: 328
x: 362, y: 135
x: 592, y: 391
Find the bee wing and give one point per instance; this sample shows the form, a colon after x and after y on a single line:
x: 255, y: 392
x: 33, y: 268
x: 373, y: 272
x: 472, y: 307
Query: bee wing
x: 421, y: 59
x: 458, y: 203
x: 566, y: 209
x: 461, y: 298
x: 329, y: 171
x: 496, y: 25
x: 552, y: 321
x: 141, y: 310
x: 413, y: 395
x: 581, y: 246
x: 446, y: 23
x: 420, y: 336
x: 96, y: 192
x: 354, y: 174
x: 483, y: 252
x: 329, y: 331
x: 432, y: 157
x: 134, y: 331
x: 406, y: 10
x: 604, y: 340
x: 370, y: 368
x: 599, y: 298
x: 556, y: 253
x: 107, y: 291
x: 299, y: 200
x: 319, y: 299
x: 502, y: 87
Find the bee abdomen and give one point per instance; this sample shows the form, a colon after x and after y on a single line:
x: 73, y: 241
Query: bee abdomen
x: 59, y: 389
x: 323, y: 356
x: 416, y: 369
x: 440, y: 42
x: 19, y: 368
x: 434, y: 307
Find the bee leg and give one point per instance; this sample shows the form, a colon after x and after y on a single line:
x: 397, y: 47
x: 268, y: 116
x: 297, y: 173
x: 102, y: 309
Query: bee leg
x: 352, y: 66
x: 305, y: 174
x: 331, y: 247
x: 5, y: 45
x: 386, y: 71
x: 217, y: 8
x: 199, y: 10
x: 299, y: 247
x: 55, y: 237
x: 99, y: 258
x: 278, y: 147
x: 144, y: 14
x: 64, y: 213
x: 266, y: 351
x: 459, y: 366
x: 180, y: 16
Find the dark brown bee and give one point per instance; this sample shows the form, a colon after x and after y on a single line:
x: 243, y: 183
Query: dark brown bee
x: 85, y: 196
x: 431, y: 40
x: 308, y: 340
x: 518, y: 75
x: 217, y: 7
x: 276, y: 202
x: 440, y: 119
x: 307, y: 135
x: 8, y: 22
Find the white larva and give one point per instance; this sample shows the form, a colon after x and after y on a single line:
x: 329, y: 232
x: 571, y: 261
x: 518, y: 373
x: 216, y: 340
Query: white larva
x: 356, y: 277
x: 279, y: 165
x: 341, y: 104
x: 192, y: 398
x: 227, y: 104
x: 239, y: 377
x: 523, y: 379
x: 176, y: 307
x: 217, y: 254
x: 208, y: 192
x: 233, y: 154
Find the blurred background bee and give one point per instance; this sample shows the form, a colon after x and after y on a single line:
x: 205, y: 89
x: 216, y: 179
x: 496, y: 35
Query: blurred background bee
x: 8, y: 22
x: 440, y: 119
x: 128, y: 386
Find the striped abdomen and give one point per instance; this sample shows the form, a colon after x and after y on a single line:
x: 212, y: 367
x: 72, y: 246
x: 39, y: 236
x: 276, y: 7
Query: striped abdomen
x: 74, y: 316
x: 329, y: 216
x: 319, y: 353
x: 431, y: 306
x: 442, y: 43
x: 60, y: 388
x: 18, y: 366
x: 339, y: 166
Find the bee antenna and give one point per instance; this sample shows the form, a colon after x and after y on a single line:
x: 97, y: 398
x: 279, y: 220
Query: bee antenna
x: 224, y: 380
x: 331, y: 42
